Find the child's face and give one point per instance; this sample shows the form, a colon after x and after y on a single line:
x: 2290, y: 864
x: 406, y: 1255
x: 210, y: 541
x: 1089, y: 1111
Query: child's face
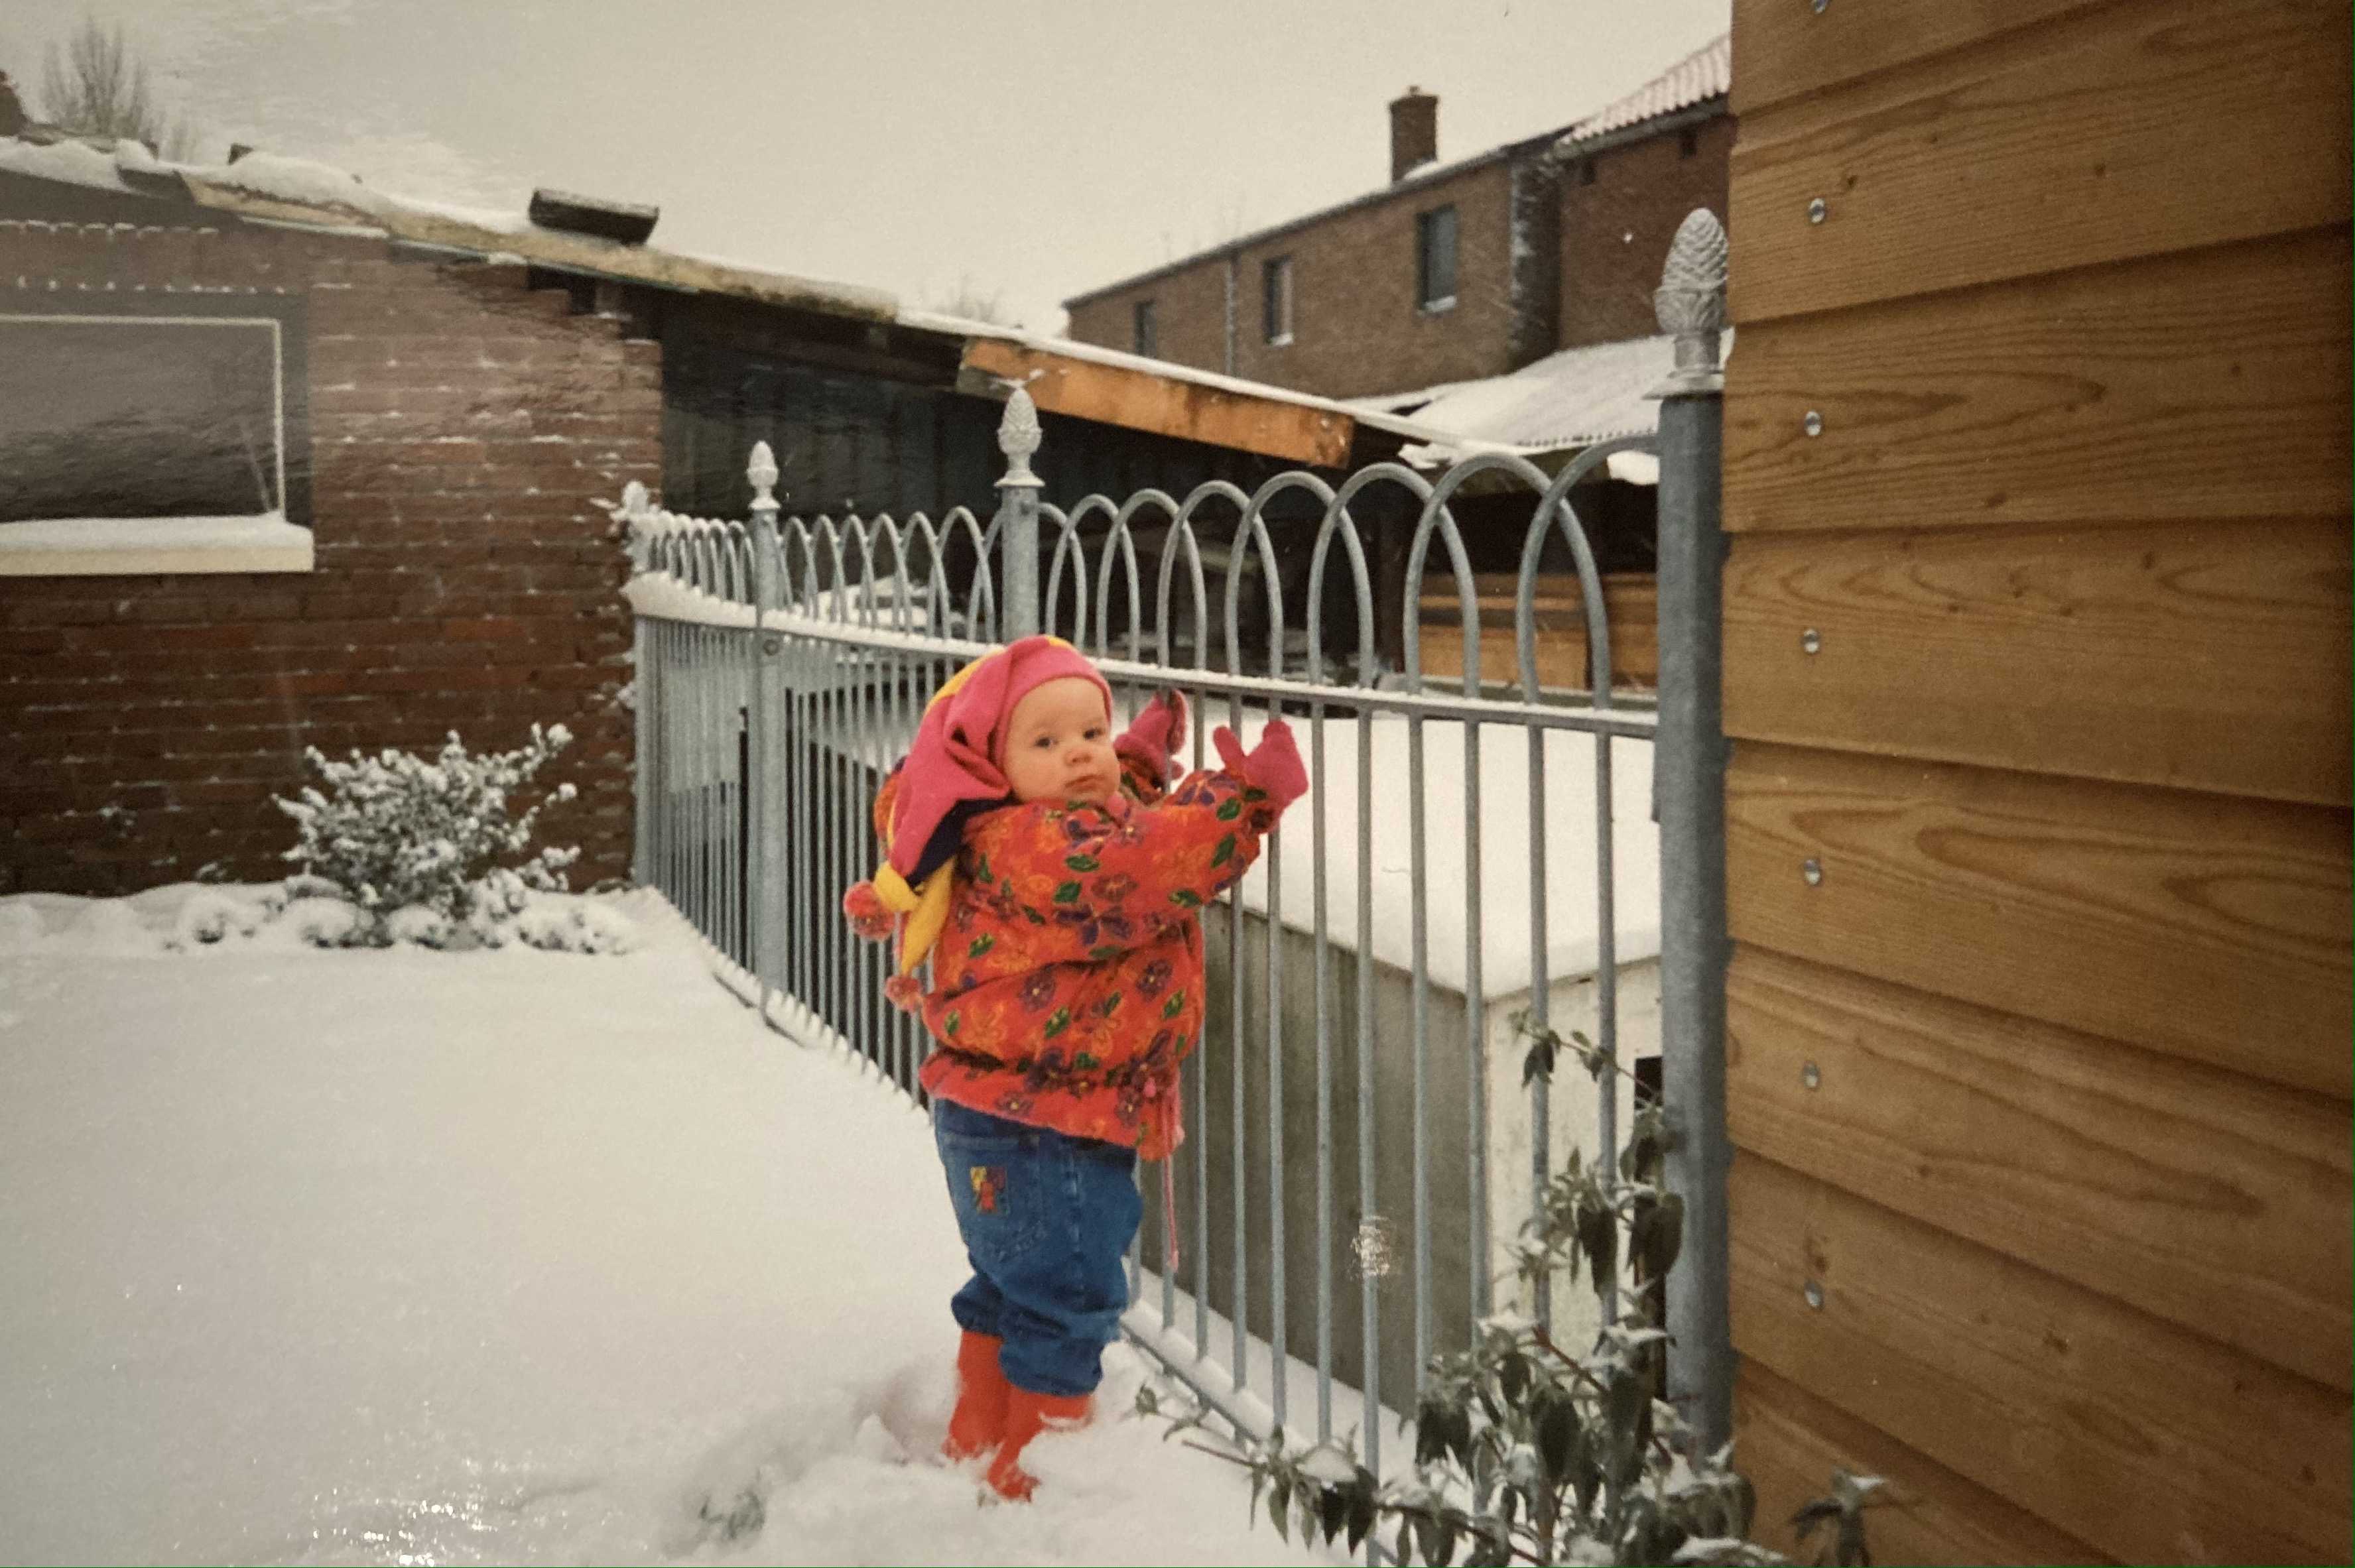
x: 1059, y: 743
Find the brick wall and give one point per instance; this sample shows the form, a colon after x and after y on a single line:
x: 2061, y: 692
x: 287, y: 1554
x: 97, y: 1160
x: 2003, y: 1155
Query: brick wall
x: 1615, y: 231
x: 460, y: 424
x: 1356, y: 327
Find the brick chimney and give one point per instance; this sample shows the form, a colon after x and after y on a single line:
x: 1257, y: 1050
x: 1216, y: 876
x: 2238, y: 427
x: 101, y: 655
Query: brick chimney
x: 1415, y: 132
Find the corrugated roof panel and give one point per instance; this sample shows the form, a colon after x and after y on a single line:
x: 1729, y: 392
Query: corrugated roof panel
x: 1706, y: 73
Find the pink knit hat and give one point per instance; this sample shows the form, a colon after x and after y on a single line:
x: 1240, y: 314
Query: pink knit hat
x: 956, y: 758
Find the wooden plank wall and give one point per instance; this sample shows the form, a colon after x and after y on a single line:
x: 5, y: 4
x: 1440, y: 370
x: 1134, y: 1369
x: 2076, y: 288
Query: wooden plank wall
x: 2039, y: 845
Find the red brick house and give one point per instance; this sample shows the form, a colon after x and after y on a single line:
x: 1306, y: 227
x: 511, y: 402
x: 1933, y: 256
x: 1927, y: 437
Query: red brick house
x: 287, y: 463
x: 1452, y: 272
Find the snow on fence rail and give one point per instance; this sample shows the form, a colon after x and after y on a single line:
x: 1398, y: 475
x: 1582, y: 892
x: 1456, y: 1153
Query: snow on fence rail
x: 1465, y: 857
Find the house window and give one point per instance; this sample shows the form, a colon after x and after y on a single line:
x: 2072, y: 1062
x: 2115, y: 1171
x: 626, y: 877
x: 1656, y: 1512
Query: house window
x: 1275, y: 301
x: 1586, y: 170
x: 1435, y: 259
x: 1148, y: 343
x: 148, y: 441
x: 1689, y: 140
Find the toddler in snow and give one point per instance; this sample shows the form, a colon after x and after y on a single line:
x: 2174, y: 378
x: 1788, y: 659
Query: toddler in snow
x: 1051, y: 873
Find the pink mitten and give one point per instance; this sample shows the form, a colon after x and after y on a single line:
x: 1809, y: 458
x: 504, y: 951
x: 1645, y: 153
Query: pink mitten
x: 866, y: 911
x: 1158, y: 733
x: 1274, y: 766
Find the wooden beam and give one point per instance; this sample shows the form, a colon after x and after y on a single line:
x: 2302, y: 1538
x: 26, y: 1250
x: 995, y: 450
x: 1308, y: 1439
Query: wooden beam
x: 2153, y: 1444
x: 1787, y: 1443
x: 1781, y: 50
x: 2213, y: 1201
x: 1140, y: 399
x: 2182, y: 388
x: 2203, y: 926
x: 2153, y: 126
x: 2207, y: 656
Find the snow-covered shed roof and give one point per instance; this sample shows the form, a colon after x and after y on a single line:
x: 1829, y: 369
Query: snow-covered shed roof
x: 1566, y: 401
x: 1083, y: 381
x: 1704, y: 74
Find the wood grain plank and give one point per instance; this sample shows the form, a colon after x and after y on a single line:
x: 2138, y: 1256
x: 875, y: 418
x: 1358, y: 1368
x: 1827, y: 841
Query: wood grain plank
x: 1782, y: 49
x: 1139, y: 399
x: 1631, y: 613
x: 2142, y: 128
x: 2180, y: 388
x: 1787, y: 1442
x: 2218, y: 1203
x: 2206, y: 656
x: 2198, y: 926
x: 2149, y: 1443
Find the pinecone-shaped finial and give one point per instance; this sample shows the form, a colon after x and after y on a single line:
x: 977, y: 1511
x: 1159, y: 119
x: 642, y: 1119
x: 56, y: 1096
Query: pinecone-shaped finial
x: 1690, y: 299
x: 1018, y: 437
x: 1691, y: 296
x: 762, y: 471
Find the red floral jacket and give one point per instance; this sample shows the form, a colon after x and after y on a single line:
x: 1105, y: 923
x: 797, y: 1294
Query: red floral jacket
x: 1067, y: 984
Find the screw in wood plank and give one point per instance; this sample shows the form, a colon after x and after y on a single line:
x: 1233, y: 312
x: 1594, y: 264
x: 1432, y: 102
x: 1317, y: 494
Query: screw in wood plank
x: 1810, y: 1075
x: 1815, y: 1295
x: 1818, y: 210
x: 1813, y: 424
x: 1811, y: 871
x: 1810, y: 641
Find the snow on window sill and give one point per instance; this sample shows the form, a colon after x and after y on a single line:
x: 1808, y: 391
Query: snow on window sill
x: 1437, y: 307
x: 1281, y: 340
x: 115, y: 547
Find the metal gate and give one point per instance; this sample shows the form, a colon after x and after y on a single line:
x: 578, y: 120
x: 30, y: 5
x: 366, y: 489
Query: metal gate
x: 1469, y: 852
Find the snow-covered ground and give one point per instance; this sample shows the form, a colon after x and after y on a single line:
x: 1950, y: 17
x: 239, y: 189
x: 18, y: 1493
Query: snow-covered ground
x: 494, y: 1256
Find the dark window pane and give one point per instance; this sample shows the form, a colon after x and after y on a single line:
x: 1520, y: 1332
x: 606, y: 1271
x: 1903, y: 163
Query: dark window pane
x: 1146, y: 343
x: 1435, y: 235
x: 1275, y: 300
x: 131, y: 418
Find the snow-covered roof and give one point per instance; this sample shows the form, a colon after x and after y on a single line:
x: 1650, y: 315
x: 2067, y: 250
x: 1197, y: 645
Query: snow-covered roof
x: 73, y: 162
x: 1573, y: 398
x: 277, y: 189
x: 1704, y: 74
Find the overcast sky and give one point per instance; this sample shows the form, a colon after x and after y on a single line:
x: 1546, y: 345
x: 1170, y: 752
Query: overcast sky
x: 1032, y: 151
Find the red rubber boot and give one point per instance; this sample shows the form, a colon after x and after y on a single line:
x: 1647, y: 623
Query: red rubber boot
x: 1026, y: 1415
x: 978, y: 1423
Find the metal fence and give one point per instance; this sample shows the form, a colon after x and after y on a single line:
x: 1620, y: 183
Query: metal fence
x: 1468, y: 854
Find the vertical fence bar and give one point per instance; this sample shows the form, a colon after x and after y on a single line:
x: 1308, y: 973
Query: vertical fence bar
x: 1691, y: 761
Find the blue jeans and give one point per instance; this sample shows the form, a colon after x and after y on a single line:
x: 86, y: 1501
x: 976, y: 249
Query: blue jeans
x: 1047, y: 1219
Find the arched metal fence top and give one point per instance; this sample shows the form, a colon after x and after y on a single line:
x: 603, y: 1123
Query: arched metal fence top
x: 916, y: 576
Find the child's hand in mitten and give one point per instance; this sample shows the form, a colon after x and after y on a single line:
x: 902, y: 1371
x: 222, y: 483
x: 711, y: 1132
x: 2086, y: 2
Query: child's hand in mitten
x: 1158, y: 733
x: 1273, y: 766
x: 865, y: 910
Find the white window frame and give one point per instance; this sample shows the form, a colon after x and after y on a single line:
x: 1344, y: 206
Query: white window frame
x: 106, y: 546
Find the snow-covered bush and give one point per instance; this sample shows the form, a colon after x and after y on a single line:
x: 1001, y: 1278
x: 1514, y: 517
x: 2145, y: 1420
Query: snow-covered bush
x: 425, y: 927
x: 1527, y: 1452
x: 210, y: 916
x: 332, y: 923
x: 396, y: 834
x: 573, y: 925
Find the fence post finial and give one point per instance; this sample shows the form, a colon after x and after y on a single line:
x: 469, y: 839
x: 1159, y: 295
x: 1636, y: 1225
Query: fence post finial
x: 1018, y: 511
x: 633, y: 515
x: 1018, y: 437
x: 762, y: 471
x: 1690, y: 302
